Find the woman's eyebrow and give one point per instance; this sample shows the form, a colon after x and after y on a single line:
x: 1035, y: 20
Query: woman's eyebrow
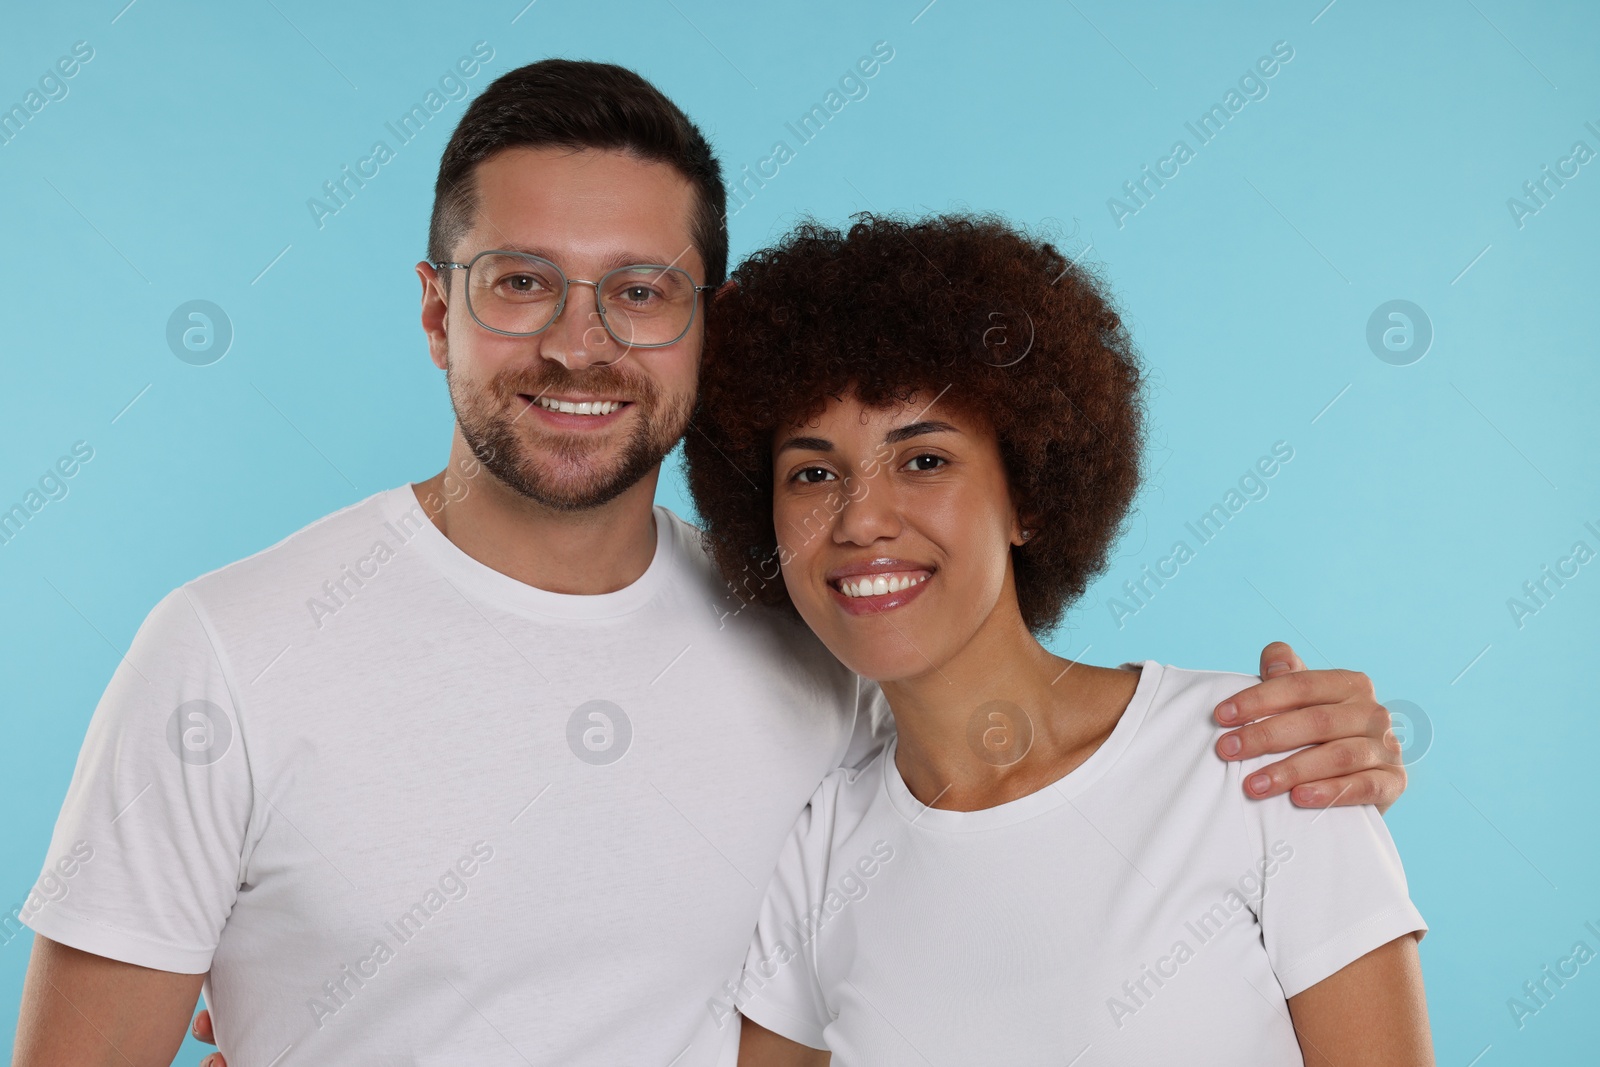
x: 917, y: 429
x: 809, y: 444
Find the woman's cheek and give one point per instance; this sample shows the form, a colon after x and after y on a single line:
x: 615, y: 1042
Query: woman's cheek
x: 806, y: 596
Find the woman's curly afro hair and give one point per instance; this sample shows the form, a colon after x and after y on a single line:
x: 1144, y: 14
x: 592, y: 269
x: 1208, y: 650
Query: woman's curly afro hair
x: 996, y: 323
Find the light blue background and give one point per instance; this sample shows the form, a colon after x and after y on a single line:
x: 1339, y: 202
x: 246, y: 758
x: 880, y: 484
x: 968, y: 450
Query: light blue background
x: 1378, y: 167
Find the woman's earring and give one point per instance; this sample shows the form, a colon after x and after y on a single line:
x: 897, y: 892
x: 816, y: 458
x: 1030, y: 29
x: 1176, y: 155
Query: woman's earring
x: 1027, y: 534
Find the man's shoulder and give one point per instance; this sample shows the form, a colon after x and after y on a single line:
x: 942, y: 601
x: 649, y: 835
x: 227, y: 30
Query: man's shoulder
x: 845, y: 799
x: 689, y: 542
x: 724, y: 604
x: 773, y: 641
x: 284, y: 573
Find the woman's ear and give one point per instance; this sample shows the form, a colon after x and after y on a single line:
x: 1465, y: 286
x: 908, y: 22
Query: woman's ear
x: 1024, y: 526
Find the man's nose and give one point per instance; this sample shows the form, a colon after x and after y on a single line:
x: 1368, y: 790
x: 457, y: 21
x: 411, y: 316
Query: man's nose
x: 578, y: 337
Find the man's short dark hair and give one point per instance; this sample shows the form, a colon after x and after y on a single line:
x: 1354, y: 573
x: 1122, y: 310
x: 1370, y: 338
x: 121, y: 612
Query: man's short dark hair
x: 578, y: 104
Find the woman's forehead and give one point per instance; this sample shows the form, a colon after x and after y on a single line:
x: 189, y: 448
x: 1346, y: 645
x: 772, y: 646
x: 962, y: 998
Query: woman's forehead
x: 849, y: 410
x: 846, y: 422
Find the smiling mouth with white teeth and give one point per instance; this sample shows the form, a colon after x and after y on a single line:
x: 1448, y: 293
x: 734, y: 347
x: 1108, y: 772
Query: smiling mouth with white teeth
x: 879, y: 584
x: 586, y: 407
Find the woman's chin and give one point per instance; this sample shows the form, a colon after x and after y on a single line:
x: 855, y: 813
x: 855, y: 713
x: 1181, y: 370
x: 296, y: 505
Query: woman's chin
x: 891, y: 657
x: 881, y: 646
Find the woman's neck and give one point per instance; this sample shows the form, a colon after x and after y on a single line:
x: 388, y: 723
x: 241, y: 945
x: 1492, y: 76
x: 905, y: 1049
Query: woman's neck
x: 1000, y: 719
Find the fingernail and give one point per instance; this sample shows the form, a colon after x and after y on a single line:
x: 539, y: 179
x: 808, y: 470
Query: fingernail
x: 1260, y: 783
x: 1231, y: 745
x: 1276, y: 668
x: 1227, y: 712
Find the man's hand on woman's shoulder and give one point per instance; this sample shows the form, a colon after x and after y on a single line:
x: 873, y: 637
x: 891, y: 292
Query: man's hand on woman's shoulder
x: 1355, y: 756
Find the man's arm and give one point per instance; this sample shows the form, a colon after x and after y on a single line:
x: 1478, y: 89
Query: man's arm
x: 760, y: 1047
x: 82, y: 1010
x: 1371, y: 1013
x: 1355, y: 758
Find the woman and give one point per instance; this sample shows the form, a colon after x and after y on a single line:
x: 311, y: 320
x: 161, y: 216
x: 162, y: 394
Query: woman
x: 924, y: 437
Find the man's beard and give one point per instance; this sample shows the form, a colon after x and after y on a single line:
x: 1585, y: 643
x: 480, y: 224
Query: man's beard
x: 565, y: 471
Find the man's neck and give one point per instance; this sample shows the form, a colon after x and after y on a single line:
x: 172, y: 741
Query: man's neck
x: 584, y: 553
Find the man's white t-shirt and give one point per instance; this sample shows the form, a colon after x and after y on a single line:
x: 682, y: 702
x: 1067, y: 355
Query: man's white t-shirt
x: 405, y: 809
x: 1140, y: 910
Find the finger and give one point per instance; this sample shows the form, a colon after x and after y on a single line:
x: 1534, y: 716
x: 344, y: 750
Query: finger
x: 1320, y: 765
x: 1297, y: 689
x: 1380, y: 787
x: 202, y: 1028
x: 1313, y: 725
x: 214, y: 1060
x: 1278, y: 658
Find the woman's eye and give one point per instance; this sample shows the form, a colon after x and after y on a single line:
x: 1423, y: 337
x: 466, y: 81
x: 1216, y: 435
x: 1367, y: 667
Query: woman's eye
x: 925, y: 463
x: 810, y: 475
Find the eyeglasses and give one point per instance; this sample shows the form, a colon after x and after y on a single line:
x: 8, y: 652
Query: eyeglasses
x: 644, y: 305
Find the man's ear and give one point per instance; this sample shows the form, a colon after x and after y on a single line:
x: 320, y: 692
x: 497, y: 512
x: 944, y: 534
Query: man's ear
x: 435, y: 314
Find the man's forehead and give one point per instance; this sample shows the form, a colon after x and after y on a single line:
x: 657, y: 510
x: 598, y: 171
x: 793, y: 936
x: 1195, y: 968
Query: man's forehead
x: 593, y: 203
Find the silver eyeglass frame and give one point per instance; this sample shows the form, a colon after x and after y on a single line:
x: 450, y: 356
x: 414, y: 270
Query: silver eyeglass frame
x: 566, y: 285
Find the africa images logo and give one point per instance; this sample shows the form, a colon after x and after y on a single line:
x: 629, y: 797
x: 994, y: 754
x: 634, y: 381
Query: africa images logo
x: 199, y: 732
x: 599, y: 732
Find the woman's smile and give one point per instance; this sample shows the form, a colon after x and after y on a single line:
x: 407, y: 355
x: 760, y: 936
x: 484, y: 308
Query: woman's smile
x: 878, y: 585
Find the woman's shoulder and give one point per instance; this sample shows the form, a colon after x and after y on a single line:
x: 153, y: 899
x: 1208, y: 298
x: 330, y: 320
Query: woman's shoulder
x: 1169, y: 729
x: 1179, y: 693
x: 1149, y: 701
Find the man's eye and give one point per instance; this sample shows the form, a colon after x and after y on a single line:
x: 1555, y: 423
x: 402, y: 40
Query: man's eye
x: 925, y: 463
x: 638, y: 294
x: 811, y: 475
x: 523, y: 284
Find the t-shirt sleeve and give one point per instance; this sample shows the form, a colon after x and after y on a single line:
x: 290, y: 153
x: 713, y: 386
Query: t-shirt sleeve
x: 780, y: 980
x: 1333, y: 887
x: 147, y: 853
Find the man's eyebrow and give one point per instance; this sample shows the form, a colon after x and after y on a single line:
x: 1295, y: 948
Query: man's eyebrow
x: 917, y: 429
x: 809, y: 444
x: 612, y: 262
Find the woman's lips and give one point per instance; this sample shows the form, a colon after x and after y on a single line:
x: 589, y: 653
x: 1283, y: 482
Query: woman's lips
x: 900, y: 587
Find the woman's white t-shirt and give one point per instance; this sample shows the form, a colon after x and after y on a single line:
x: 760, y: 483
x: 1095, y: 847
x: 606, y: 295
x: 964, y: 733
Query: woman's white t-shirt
x: 1141, y: 909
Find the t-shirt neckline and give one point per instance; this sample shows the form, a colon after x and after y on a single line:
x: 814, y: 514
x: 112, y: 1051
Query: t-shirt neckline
x: 474, y: 579
x: 1052, y: 796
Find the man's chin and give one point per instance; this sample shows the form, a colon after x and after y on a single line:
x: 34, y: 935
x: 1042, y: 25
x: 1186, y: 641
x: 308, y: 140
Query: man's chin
x: 575, y: 487
x: 570, y: 472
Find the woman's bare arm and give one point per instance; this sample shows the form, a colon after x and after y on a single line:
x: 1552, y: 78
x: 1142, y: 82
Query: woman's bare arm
x: 760, y: 1047
x: 1371, y: 1013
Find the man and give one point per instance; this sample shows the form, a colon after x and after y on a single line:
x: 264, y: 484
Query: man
x: 493, y: 768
